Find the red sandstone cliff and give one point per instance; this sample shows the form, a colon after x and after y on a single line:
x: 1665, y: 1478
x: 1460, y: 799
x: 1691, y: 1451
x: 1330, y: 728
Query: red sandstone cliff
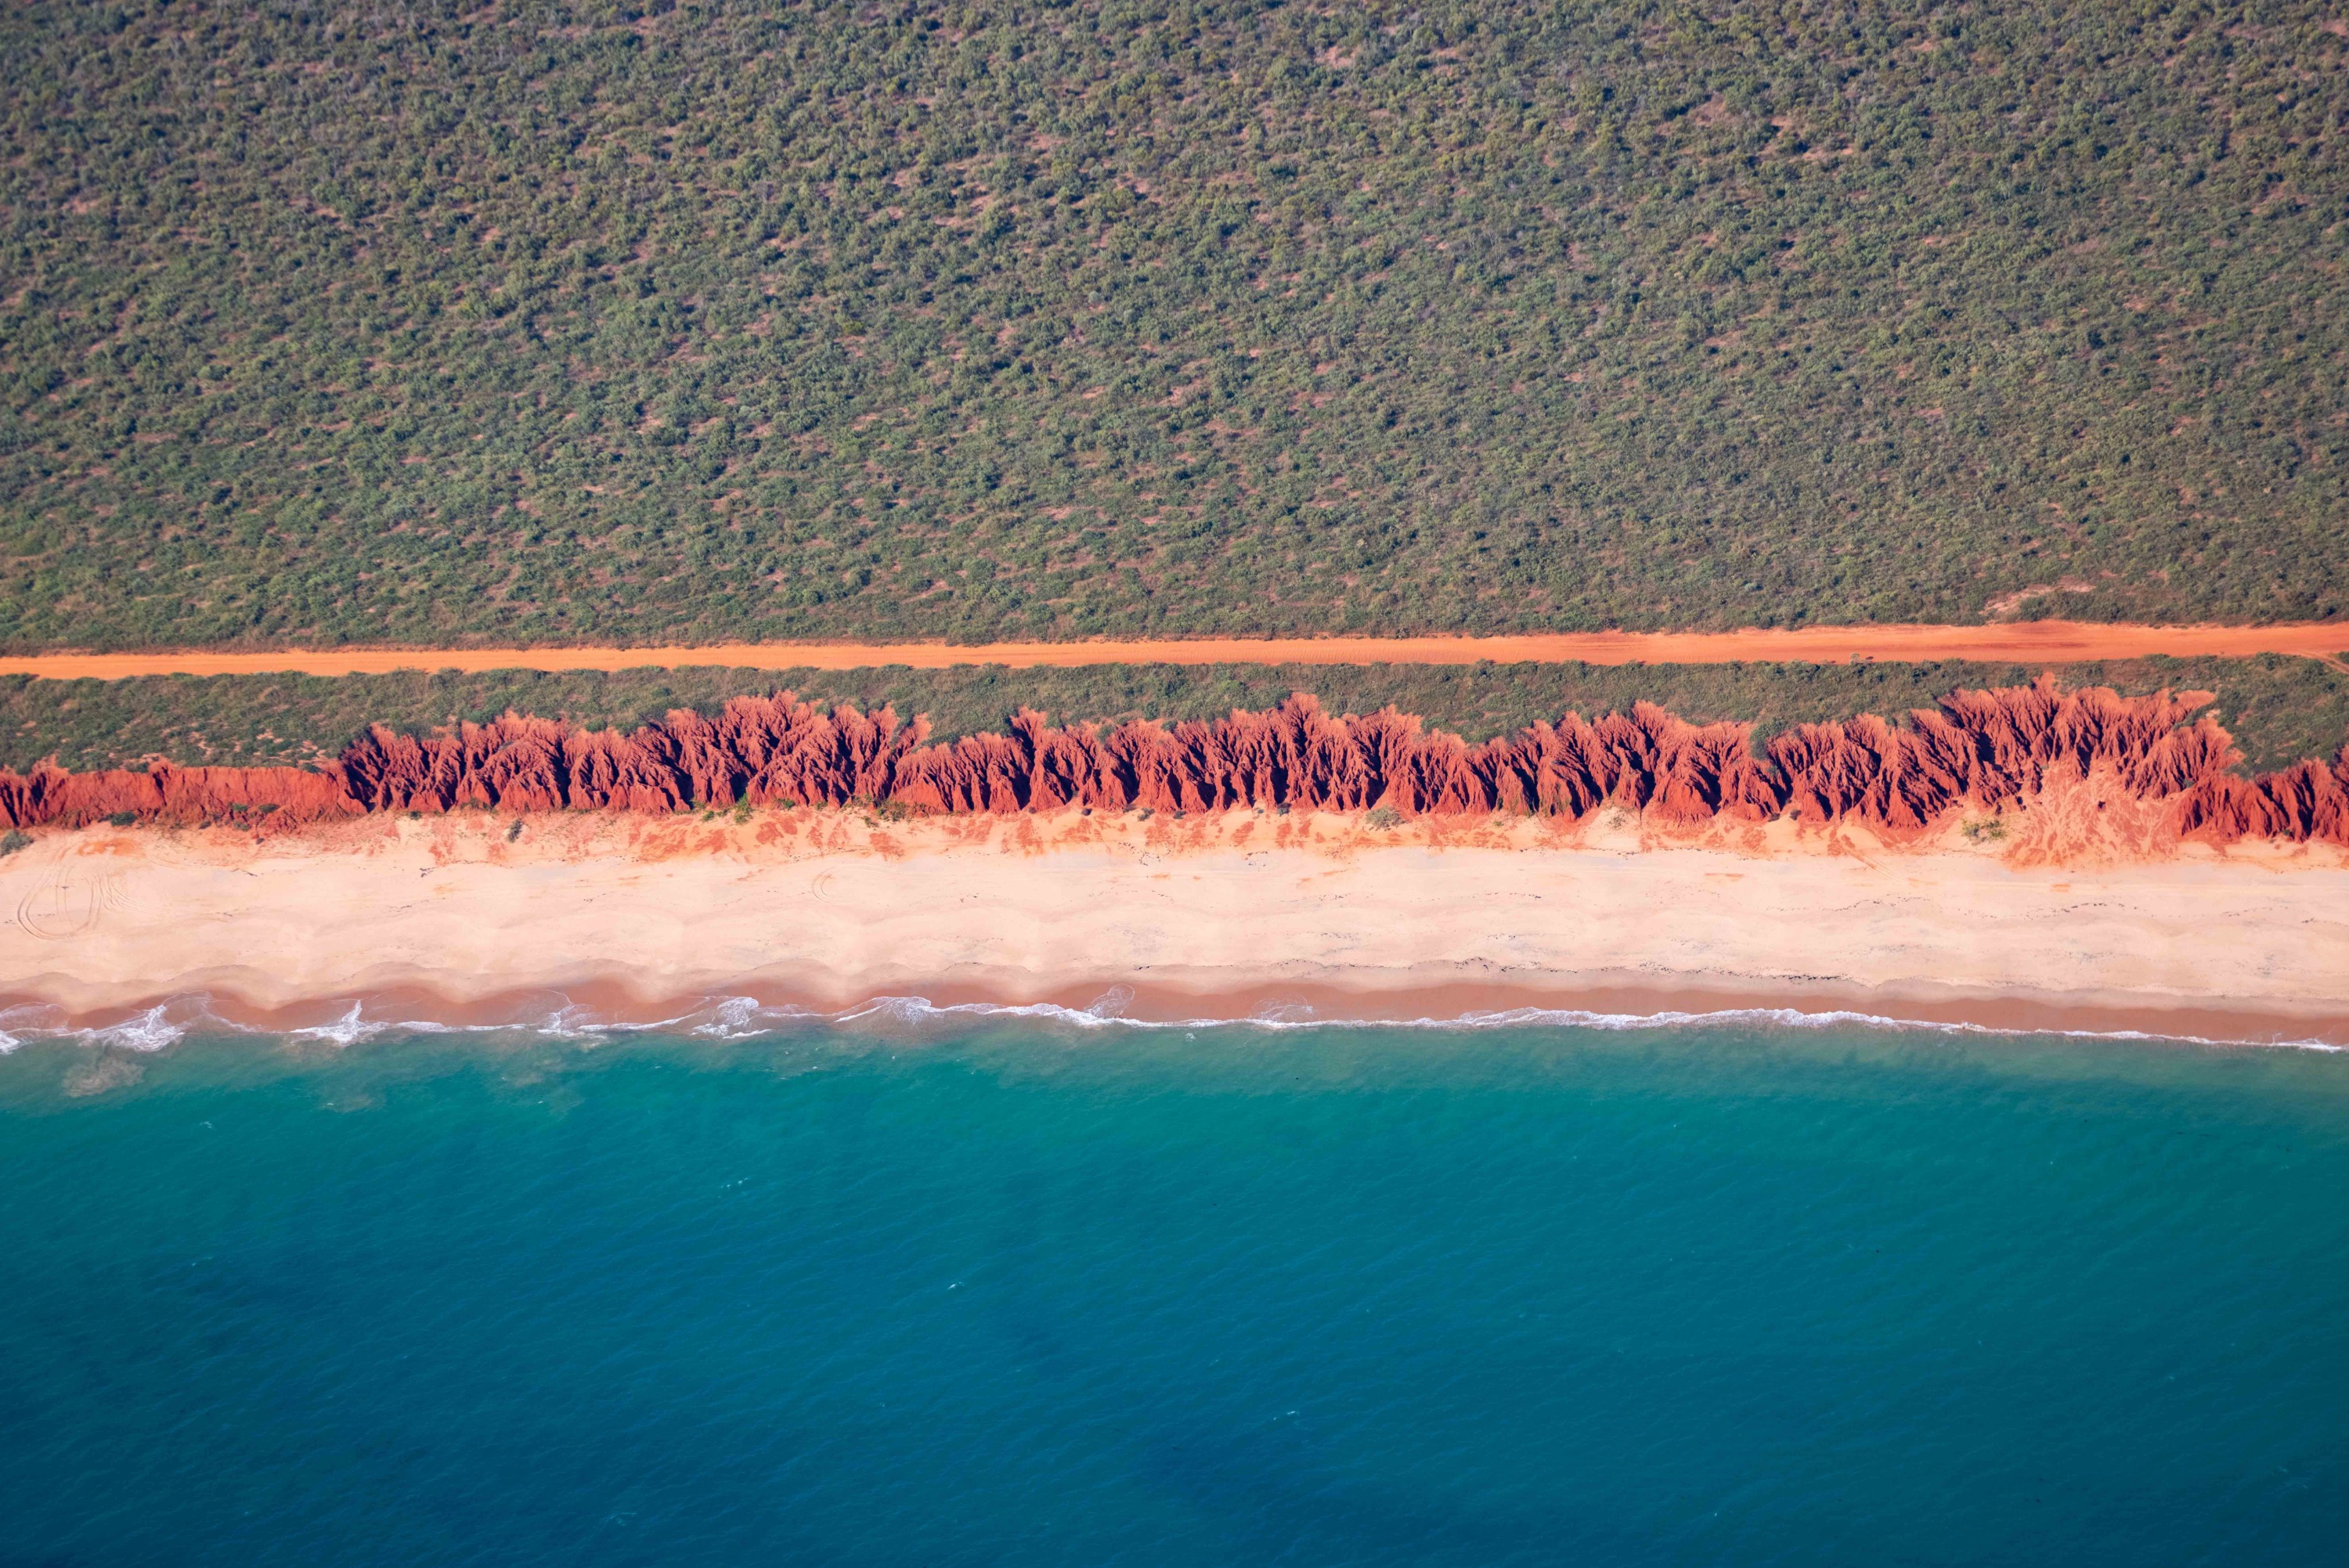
x: 1986, y: 748
x: 169, y: 793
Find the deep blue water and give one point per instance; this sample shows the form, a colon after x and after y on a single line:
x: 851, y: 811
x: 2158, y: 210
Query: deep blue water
x: 1018, y: 1295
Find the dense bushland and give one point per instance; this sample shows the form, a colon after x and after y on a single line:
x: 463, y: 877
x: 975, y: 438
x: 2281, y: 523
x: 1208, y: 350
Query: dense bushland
x: 437, y: 321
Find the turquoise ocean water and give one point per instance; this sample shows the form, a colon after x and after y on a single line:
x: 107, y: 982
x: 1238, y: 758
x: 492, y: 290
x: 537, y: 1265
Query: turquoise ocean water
x: 1002, y: 1290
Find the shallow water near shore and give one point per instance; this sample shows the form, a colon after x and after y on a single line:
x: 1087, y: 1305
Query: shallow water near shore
x: 955, y: 1289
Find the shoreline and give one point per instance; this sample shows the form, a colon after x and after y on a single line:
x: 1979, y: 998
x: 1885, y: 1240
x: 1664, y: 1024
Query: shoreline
x: 573, y: 1011
x: 452, y: 922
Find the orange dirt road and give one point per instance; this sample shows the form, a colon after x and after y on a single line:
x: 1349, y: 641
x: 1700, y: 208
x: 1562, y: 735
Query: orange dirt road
x: 2030, y: 642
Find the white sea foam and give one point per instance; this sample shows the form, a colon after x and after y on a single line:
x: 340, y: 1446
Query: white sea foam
x: 1298, y: 1015
x: 158, y: 1028
x: 731, y: 1018
x: 350, y: 1030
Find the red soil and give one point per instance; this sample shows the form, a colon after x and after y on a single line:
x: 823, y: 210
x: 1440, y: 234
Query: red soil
x: 2023, y: 642
x: 1985, y: 750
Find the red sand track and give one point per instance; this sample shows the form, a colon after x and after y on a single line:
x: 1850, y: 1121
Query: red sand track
x: 2031, y: 642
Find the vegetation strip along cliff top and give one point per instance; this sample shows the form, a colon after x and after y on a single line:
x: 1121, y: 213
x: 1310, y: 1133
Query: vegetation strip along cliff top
x: 2278, y: 709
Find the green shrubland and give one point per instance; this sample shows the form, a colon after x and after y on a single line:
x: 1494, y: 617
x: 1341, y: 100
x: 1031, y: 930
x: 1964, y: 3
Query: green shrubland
x: 453, y: 322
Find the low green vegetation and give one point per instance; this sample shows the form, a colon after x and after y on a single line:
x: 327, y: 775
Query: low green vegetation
x: 607, y: 321
x: 2278, y: 709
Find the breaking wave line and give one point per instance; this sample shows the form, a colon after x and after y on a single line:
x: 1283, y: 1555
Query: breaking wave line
x: 731, y: 1018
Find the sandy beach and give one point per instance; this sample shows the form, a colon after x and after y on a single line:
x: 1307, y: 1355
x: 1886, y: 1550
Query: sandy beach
x: 2062, y: 918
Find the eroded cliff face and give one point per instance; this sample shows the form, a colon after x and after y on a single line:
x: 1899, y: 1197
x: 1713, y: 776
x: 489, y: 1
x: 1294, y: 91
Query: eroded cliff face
x: 1982, y: 750
x: 274, y: 796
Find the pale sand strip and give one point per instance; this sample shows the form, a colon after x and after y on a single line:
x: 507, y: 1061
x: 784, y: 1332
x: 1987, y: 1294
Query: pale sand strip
x: 2030, y: 642
x: 829, y: 909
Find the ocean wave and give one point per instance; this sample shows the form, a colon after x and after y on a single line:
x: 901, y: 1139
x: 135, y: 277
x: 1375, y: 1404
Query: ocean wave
x: 163, y: 1025
x: 727, y: 1018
